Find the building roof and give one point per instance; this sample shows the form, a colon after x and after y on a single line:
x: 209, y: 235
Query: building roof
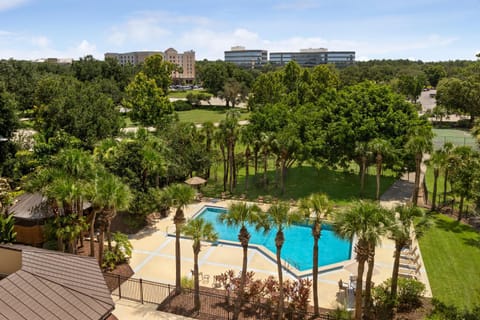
x: 54, y: 285
x: 31, y: 206
x: 34, y: 206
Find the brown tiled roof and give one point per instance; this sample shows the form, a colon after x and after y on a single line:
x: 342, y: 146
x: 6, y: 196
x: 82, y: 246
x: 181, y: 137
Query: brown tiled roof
x: 53, y: 285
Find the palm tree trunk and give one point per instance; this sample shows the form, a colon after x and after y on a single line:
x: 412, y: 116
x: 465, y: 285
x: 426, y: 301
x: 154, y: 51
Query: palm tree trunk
x: 362, y: 175
x: 234, y: 167
x: 282, y: 175
x: 396, y: 268
x: 460, y: 208
x: 279, y: 240
x: 316, y: 237
x: 416, y: 189
x: 379, y: 172
x: 445, y: 187
x: 196, y: 250
x: 92, y: 234
x: 243, y: 279
x: 109, y: 234
x: 361, y: 250
x: 436, y: 172
x: 178, y: 270
x: 265, y: 164
x: 368, y: 283
x: 225, y: 167
x: 247, y: 159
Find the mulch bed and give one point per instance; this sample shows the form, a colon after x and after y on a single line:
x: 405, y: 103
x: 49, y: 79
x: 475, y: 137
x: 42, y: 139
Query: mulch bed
x: 124, y: 269
x: 214, y: 306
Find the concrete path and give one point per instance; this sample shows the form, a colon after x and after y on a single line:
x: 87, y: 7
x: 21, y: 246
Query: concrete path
x: 130, y: 310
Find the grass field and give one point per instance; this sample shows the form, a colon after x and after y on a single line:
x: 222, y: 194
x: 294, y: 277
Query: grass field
x: 456, y: 136
x: 341, y: 187
x: 213, y: 114
x: 451, y: 253
x: 182, y: 94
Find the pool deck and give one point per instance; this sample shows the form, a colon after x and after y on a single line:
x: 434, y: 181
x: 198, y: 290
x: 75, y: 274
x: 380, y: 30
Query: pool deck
x: 153, y: 259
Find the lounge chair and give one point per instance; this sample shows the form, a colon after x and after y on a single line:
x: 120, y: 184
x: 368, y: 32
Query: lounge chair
x: 408, y: 252
x: 410, y: 273
x: 410, y: 260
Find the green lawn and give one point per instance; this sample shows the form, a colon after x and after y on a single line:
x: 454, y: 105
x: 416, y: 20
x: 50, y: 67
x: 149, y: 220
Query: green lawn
x: 183, y: 94
x: 451, y: 253
x: 341, y: 187
x: 213, y: 114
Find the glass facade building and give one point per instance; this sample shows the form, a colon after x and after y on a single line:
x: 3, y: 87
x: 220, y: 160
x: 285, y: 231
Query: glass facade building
x: 312, y: 58
x: 247, y: 58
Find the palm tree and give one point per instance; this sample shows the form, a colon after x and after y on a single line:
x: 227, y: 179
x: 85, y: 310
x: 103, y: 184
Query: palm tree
x: 229, y: 132
x: 198, y: 230
x: 315, y: 208
x: 111, y: 195
x: 180, y: 195
x: 281, y: 217
x: 381, y: 148
x: 465, y: 174
x: 366, y: 220
x: 447, y: 148
x: 401, y: 232
x: 420, y: 142
x: 363, y: 154
x: 239, y: 215
x: 437, y: 162
x: 209, y: 130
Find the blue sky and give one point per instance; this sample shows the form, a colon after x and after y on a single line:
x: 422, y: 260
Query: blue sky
x: 428, y: 30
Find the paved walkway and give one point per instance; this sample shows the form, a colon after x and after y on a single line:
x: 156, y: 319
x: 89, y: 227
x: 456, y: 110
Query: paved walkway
x: 130, y: 310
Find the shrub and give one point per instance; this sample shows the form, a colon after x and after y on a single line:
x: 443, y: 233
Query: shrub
x: 340, y: 314
x: 409, y: 294
x: 196, y: 98
x: 441, y: 311
x: 182, y: 105
x: 110, y: 260
x: 408, y: 297
x: 7, y: 233
x: 120, y: 253
x: 187, y: 282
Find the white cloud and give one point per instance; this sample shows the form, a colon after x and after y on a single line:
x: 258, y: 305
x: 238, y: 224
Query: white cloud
x: 82, y: 49
x: 40, y: 41
x: 149, y: 27
x: 9, y: 4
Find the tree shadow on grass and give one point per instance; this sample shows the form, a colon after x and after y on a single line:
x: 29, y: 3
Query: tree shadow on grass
x: 470, y: 236
x: 340, y: 186
x: 451, y: 225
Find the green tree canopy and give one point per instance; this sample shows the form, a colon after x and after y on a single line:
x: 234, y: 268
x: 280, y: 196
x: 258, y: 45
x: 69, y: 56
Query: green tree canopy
x: 147, y: 102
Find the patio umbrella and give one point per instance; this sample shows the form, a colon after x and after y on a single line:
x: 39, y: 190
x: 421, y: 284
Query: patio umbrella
x: 195, y: 181
x: 352, y: 267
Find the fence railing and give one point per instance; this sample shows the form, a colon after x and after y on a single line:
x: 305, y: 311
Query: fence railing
x: 213, y: 305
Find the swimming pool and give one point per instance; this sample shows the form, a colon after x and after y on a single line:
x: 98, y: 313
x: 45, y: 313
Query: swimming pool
x: 298, y: 247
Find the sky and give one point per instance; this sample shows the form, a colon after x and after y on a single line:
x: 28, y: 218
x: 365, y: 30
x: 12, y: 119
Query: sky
x: 427, y: 30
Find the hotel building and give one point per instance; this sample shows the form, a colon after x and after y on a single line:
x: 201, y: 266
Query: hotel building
x: 185, y: 61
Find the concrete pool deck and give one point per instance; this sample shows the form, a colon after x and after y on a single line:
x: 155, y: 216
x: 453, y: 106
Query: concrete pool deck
x: 153, y: 259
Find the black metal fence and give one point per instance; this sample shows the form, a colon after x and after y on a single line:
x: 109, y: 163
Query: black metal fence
x: 213, y: 305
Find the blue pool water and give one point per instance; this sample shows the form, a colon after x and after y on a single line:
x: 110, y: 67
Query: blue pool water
x: 298, y: 247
